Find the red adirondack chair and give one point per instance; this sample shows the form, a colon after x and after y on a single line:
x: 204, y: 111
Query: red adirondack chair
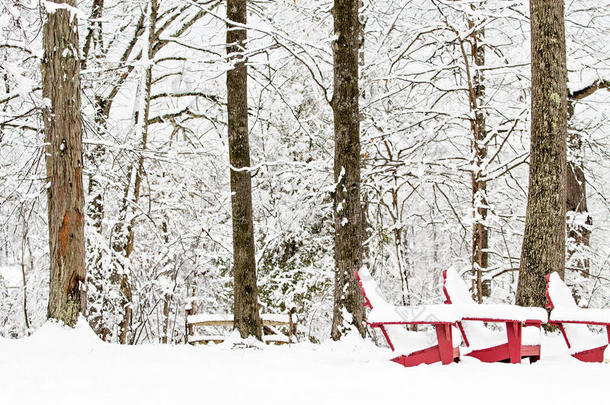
x: 520, y: 337
x: 572, y: 320
x: 414, y: 347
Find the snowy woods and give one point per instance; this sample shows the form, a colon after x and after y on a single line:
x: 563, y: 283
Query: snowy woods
x: 444, y: 116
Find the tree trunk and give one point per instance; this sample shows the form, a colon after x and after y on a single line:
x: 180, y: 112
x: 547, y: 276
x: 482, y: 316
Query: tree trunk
x: 480, y: 232
x: 124, y: 244
x: 98, y: 302
x: 64, y: 161
x: 167, y: 296
x: 96, y: 205
x: 97, y: 282
x: 245, y: 308
x: 543, y: 249
x: 347, y: 204
x: 579, y: 233
x: 94, y: 33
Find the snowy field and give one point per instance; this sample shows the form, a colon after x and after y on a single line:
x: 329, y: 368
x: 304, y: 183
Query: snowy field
x: 61, y: 366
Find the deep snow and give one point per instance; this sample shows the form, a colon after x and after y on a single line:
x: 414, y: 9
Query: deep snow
x: 69, y: 366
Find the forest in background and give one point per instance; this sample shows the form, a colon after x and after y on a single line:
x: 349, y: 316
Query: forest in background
x: 156, y: 169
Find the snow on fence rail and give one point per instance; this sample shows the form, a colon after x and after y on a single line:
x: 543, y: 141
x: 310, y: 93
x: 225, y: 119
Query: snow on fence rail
x: 277, y: 328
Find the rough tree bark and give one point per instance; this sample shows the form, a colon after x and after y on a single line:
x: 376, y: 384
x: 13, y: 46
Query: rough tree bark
x: 543, y: 249
x: 347, y: 204
x: 245, y: 309
x: 64, y: 162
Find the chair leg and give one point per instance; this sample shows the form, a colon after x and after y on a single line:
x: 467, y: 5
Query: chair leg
x: 513, y: 330
x: 592, y: 355
x: 464, y: 337
x: 445, y: 343
x: 387, y: 337
x: 565, y: 337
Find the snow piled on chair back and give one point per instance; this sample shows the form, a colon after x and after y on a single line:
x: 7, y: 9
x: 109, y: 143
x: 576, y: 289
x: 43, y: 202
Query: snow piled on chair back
x: 477, y: 335
x: 371, y: 290
x: 404, y: 341
x: 457, y: 290
x: 560, y: 293
x: 579, y: 335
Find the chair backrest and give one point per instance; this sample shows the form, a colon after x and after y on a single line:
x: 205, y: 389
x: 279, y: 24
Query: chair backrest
x: 397, y: 336
x: 558, y: 294
x: 370, y: 290
x: 475, y: 334
x: 456, y: 291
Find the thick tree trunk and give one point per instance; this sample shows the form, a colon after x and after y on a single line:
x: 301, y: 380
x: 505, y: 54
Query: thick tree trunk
x: 480, y: 232
x: 245, y: 308
x: 347, y: 204
x: 64, y: 157
x: 543, y: 248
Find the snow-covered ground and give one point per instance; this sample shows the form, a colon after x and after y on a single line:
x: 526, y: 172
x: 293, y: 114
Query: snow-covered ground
x: 57, y: 365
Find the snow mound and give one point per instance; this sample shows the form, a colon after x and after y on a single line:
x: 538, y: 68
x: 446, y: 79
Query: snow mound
x: 235, y: 341
x: 55, y: 334
x: 353, y: 346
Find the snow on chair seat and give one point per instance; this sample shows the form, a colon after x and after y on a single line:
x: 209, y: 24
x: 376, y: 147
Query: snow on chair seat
x: 415, y: 347
x: 518, y: 337
x: 584, y: 344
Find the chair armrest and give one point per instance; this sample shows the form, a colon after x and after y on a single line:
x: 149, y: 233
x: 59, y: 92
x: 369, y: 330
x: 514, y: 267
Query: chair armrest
x: 424, y: 314
x: 592, y: 316
x: 503, y: 313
